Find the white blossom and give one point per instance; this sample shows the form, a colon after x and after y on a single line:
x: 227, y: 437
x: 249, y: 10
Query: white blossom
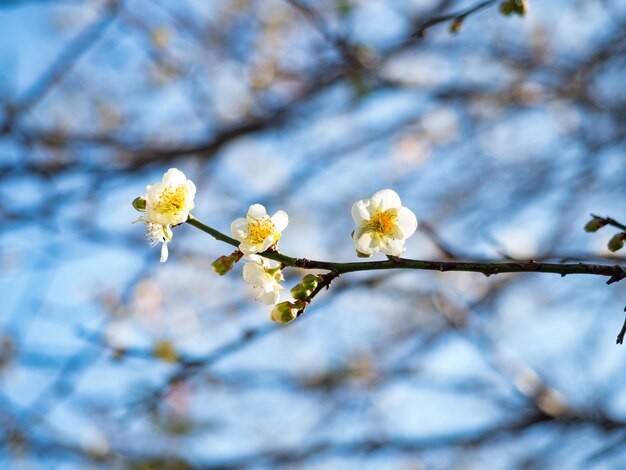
x: 258, y: 231
x: 383, y: 224
x: 168, y: 203
x: 265, y: 276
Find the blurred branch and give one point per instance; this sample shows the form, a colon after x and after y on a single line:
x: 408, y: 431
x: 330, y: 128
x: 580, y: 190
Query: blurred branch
x: 456, y: 17
x: 61, y: 66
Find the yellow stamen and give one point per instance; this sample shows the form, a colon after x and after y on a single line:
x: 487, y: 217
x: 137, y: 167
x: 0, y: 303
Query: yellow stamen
x: 382, y: 223
x: 171, y: 200
x: 259, y: 230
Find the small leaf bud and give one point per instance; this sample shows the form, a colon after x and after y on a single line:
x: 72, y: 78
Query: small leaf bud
x: 595, y: 224
x: 139, y: 203
x: 617, y: 242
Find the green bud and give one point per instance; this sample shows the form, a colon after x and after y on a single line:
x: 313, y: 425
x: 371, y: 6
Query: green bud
x: 518, y: 7
x: 310, y: 281
x: 595, y: 224
x: 617, y: 242
x: 223, y: 264
x: 140, y: 204
x: 284, y: 312
x: 299, y: 292
x: 455, y: 26
x: 165, y: 351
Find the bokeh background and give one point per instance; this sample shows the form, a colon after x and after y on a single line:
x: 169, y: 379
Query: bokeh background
x: 502, y: 138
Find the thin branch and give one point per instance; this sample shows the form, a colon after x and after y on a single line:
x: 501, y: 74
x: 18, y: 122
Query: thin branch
x: 614, y: 272
x: 456, y: 17
x: 609, y: 221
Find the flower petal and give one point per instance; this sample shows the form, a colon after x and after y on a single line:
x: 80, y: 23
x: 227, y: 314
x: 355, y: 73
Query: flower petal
x: 247, y: 249
x: 191, y: 192
x: 280, y: 220
x: 406, y: 221
x: 253, y: 273
x: 164, y: 252
x: 270, y: 297
x: 154, y: 193
x: 269, y: 241
x: 361, y: 212
x: 392, y: 247
x: 364, y: 242
x: 174, y: 177
x: 257, y: 211
x: 386, y: 199
x: 239, y: 228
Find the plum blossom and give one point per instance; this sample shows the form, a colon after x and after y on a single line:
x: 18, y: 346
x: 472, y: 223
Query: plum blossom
x: 265, y: 276
x: 167, y: 203
x: 258, y: 231
x: 383, y: 224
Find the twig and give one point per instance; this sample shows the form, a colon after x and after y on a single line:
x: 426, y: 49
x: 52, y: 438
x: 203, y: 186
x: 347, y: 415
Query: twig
x: 620, y: 336
x: 614, y: 272
x: 456, y: 17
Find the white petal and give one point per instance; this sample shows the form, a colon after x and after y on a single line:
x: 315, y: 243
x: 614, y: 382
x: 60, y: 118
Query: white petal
x: 269, y: 298
x: 269, y: 241
x: 174, y: 177
x: 361, y: 212
x: 257, y: 211
x: 254, y: 258
x: 280, y: 220
x: 363, y: 242
x: 270, y: 263
x: 253, y: 273
x: 392, y: 247
x: 239, y: 228
x: 191, y: 191
x: 154, y: 193
x: 386, y: 199
x: 247, y: 249
x: 407, y: 222
x: 183, y: 215
x: 164, y: 252
x: 159, y: 218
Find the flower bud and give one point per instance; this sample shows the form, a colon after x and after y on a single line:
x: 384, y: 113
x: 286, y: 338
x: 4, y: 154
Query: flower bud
x: 299, y: 292
x: 223, y: 264
x: 310, y: 281
x: 165, y: 351
x: 455, y: 26
x: 617, y: 242
x: 595, y: 224
x: 139, y: 203
x: 284, y: 312
x: 518, y: 7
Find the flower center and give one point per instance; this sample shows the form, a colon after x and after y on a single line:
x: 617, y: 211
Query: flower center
x: 172, y: 200
x: 260, y: 229
x: 382, y: 223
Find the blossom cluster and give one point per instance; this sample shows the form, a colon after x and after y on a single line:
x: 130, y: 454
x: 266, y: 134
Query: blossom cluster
x: 382, y: 226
